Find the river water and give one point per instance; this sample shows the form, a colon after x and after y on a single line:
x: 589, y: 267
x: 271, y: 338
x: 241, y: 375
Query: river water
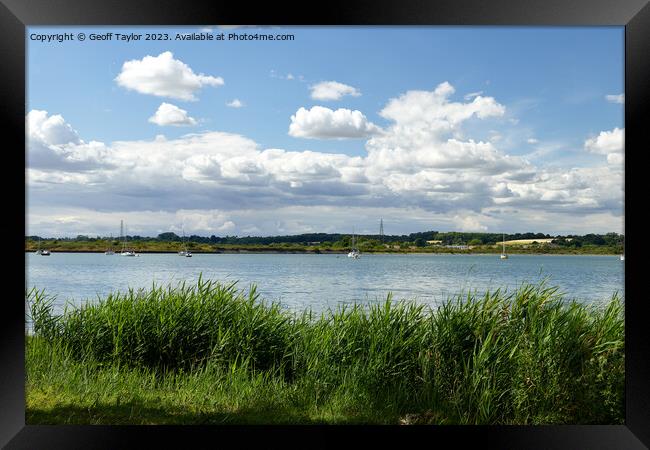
x: 319, y: 282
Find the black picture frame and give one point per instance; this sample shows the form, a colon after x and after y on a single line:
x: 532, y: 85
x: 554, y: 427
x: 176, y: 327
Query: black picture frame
x: 15, y: 15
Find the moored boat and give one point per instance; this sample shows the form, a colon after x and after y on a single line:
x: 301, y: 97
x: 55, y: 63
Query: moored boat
x: 354, y: 251
x: 125, y: 250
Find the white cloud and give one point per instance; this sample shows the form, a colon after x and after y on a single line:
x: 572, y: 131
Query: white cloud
x: 164, y: 76
x: 324, y: 123
x: 416, y: 108
x: 418, y: 166
x: 235, y: 103
x: 615, y: 158
x: 620, y: 98
x: 420, y: 138
x: 610, y: 143
x: 471, y: 95
x: 171, y: 115
x: 532, y: 141
x: 587, y: 189
x: 606, y: 142
x: 54, y: 144
x: 50, y: 129
x: 469, y: 223
x: 203, y: 221
x: 68, y: 220
x: 46, y: 221
x: 332, y: 90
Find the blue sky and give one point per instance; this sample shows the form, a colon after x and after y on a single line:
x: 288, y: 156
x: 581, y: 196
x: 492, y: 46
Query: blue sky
x: 537, y: 97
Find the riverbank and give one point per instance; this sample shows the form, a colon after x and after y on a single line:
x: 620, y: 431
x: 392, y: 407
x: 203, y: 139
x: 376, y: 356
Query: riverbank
x: 417, y: 251
x: 307, y: 252
x: 209, y: 354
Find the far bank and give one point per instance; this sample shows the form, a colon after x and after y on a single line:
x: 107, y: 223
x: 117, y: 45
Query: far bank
x: 93, y: 247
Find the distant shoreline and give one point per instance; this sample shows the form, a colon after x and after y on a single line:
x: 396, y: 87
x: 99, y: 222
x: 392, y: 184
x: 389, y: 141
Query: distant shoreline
x: 334, y: 252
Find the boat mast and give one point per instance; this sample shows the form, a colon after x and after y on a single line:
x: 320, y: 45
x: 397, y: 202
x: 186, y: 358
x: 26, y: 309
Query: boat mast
x: 123, y: 234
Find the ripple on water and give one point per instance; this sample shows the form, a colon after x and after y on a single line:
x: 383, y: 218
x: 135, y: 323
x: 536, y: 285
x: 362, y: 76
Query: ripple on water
x: 320, y: 281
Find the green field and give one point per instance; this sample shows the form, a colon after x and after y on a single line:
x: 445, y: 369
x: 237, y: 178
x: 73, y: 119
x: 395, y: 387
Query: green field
x: 210, y: 354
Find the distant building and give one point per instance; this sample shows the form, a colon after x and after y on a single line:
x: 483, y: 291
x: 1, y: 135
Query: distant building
x: 459, y: 247
x: 434, y: 242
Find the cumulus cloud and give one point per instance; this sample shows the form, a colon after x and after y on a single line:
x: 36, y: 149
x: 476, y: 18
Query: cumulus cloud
x: 586, y: 189
x: 532, y: 141
x: 615, y: 158
x: 418, y: 166
x: 171, y: 115
x: 421, y: 137
x: 235, y: 103
x: 420, y: 160
x: 620, y: 98
x: 332, y: 90
x: 53, y: 144
x: 203, y: 221
x: 609, y: 143
x: 469, y: 223
x: 433, y: 108
x: 606, y: 142
x: 50, y: 129
x: 164, y: 76
x: 323, y: 123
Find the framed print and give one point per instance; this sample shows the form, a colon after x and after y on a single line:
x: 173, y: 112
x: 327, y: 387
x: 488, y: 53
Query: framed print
x: 402, y: 220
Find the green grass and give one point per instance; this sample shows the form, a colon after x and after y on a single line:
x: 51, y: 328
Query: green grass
x: 210, y: 353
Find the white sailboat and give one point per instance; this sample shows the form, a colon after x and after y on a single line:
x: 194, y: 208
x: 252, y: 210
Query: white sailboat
x: 185, y: 252
x: 354, y: 252
x: 125, y: 250
x: 42, y: 252
x: 504, y: 255
x: 109, y: 250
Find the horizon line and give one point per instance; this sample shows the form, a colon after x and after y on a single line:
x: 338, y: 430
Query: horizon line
x: 334, y: 233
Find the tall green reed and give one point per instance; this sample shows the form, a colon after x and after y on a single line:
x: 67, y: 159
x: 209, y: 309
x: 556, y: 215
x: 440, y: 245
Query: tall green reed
x: 530, y: 356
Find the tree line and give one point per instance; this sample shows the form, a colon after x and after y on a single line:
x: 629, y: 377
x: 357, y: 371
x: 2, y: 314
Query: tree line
x: 419, y: 239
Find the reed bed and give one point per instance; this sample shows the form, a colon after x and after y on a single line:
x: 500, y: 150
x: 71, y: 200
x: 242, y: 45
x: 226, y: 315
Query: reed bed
x: 210, y: 353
